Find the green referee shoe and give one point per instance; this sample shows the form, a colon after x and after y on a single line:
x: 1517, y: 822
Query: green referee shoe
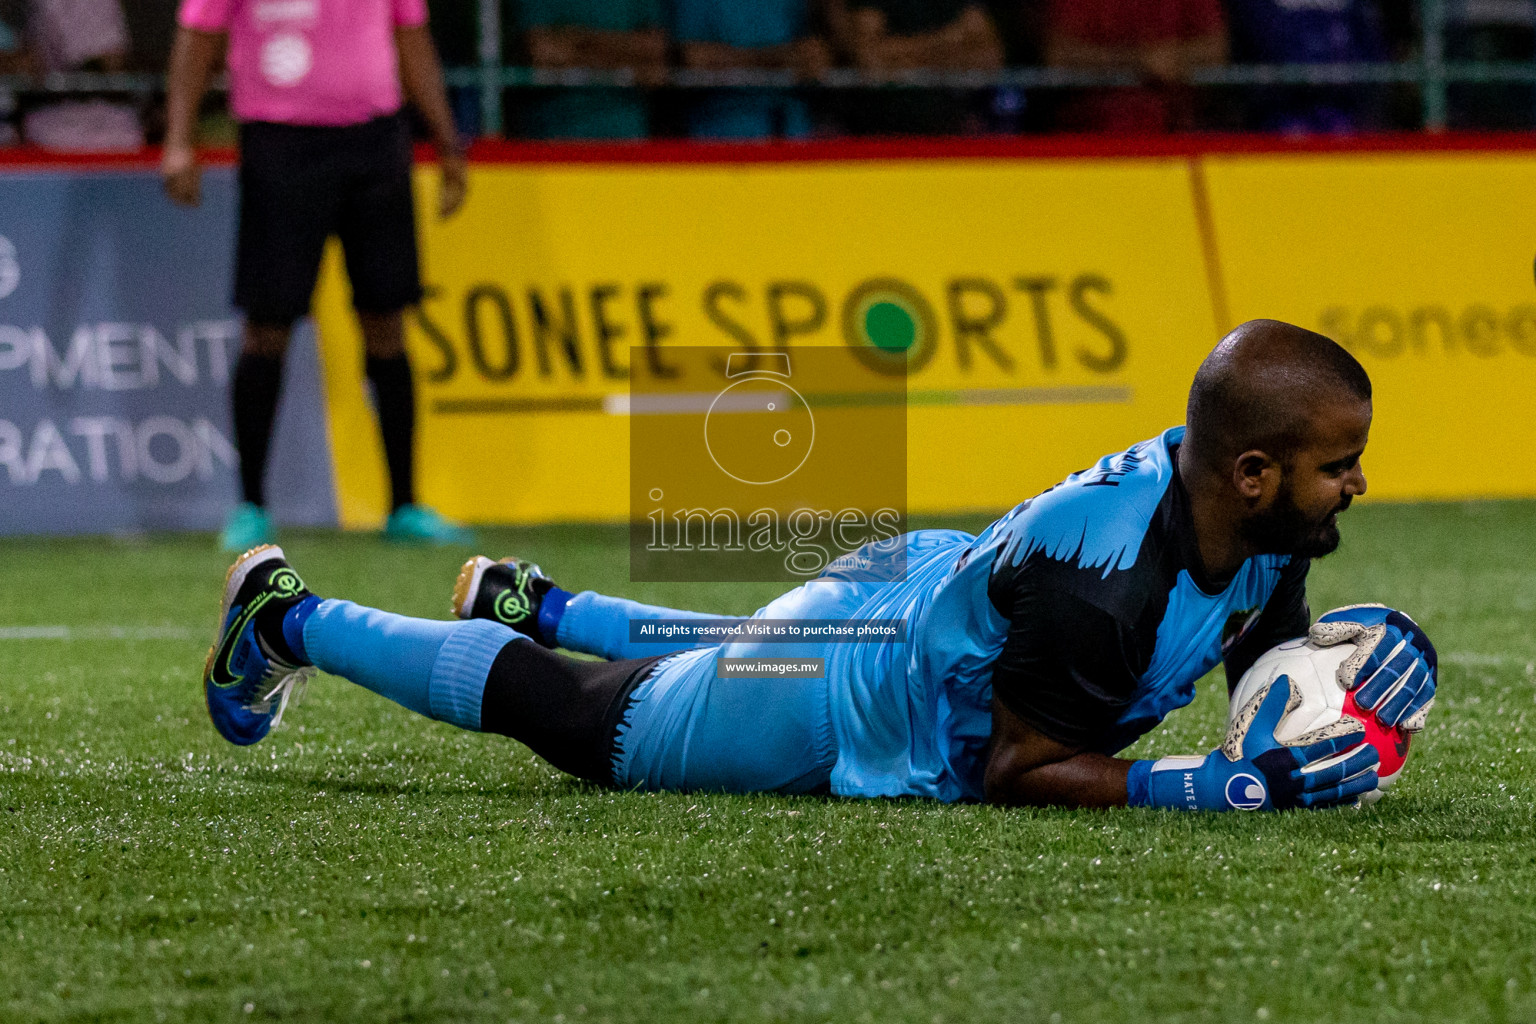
x: 418, y: 524
x: 247, y: 527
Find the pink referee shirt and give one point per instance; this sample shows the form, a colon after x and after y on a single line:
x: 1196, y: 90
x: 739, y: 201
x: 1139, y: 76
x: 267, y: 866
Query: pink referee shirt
x: 315, y: 62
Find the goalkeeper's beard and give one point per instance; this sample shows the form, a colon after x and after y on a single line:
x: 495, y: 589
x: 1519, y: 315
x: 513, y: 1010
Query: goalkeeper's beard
x: 1284, y: 529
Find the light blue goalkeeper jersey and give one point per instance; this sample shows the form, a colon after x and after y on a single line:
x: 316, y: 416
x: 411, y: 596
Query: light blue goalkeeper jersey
x: 1085, y: 609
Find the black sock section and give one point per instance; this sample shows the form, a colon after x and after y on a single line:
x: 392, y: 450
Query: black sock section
x: 253, y: 395
x: 394, y: 397
x: 269, y: 627
x: 567, y: 711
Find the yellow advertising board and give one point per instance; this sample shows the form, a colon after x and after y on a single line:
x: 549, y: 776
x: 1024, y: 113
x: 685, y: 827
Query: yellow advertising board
x: 1420, y: 264
x: 1059, y: 306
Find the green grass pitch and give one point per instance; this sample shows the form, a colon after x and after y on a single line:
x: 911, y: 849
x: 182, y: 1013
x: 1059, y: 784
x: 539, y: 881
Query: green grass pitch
x: 364, y: 864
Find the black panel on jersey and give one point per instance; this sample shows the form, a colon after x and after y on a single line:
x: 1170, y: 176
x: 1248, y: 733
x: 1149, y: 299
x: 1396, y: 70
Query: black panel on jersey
x: 1285, y: 616
x: 1079, y: 639
x: 1068, y: 667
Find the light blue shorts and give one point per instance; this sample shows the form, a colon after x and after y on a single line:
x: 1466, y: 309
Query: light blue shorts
x: 688, y: 730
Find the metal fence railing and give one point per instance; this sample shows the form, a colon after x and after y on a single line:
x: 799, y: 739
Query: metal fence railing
x: 1432, y: 80
x: 1429, y: 72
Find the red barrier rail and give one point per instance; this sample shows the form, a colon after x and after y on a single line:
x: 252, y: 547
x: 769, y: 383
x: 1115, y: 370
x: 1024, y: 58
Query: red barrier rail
x: 985, y: 148
x: 674, y: 151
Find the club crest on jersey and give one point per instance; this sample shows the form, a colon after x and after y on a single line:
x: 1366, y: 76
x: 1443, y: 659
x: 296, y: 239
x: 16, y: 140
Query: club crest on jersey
x: 1237, y: 626
x: 1244, y: 792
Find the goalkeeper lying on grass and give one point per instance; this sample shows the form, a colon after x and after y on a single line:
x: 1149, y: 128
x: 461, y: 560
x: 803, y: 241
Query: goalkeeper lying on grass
x: 1034, y: 652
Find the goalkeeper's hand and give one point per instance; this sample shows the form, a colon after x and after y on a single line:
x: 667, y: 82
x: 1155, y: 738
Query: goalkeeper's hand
x: 1394, y: 668
x: 1252, y: 771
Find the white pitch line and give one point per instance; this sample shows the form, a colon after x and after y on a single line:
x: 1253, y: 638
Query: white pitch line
x: 71, y: 633
x: 1472, y: 659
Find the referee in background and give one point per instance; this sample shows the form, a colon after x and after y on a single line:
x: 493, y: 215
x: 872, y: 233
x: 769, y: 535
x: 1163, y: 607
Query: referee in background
x: 325, y: 149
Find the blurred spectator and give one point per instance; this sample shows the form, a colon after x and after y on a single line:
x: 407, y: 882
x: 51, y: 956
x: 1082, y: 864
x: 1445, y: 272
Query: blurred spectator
x: 13, y: 57
x: 1309, y: 32
x: 601, y: 34
x: 1021, y: 26
x: 770, y: 35
x: 152, y: 27
x: 455, y: 26
x: 1162, y: 40
x: 902, y: 35
x: 1490, y: 30
x: 81, y: 35
x: 14, y: 60
x: 1400, y: 22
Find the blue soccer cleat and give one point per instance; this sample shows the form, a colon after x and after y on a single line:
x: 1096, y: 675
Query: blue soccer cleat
x: 250, y: 667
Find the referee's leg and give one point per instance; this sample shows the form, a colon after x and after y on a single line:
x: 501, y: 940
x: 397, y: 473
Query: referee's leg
x: 288, y: 202
x: 377, y: 227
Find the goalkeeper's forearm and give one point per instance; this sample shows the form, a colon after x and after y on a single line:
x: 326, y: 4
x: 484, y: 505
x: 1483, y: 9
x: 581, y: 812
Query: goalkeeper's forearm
x: 1025, y: 767
x: 1081, y: 780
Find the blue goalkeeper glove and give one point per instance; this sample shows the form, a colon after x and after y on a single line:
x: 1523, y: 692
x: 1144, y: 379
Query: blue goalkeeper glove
x: 1394, y: 668
x: 1253, y: 772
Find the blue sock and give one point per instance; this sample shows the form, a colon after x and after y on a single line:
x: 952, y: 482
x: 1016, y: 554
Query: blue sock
x: 293, y: 626
x: 437, y: 669
x: 551, y: 611
x: 594, y: 623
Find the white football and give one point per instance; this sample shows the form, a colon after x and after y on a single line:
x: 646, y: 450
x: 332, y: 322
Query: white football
x: 1320, y: 700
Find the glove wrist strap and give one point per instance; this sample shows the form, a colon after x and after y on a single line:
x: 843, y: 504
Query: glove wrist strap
x: 1138, y: 785
x: 1171, y: 782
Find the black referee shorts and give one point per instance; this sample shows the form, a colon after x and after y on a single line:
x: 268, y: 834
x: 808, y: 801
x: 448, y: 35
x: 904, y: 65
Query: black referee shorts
x: 298, y: 186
